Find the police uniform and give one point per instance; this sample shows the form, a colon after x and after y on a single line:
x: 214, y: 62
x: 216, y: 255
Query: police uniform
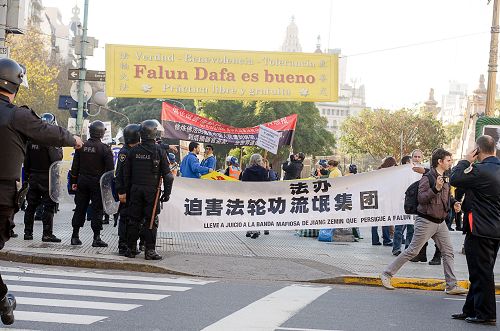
x: 17, y: 125
x: 89, y: 164
x: 36, y: 164
x: 145, y: 165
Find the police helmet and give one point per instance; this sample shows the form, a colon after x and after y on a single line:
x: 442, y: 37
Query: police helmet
x: 49, y: 118
x: 97, y: 129
x: 131, y: 134
x: 323, y: 163
x: 353, y: 169
x: 234, y: 161
x: 171, y: 157
x: 149, y: 130
x: 12, y: 75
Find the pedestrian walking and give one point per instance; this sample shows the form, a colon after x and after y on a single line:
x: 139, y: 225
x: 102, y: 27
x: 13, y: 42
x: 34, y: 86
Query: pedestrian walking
x: 131, y: 136
x: 89, y: 164
x: 433, y: 206
x: 37, y: 162
x: 481, y: 182
x: 146, y: 166
x: 17, y: 126
x: 399, y: 229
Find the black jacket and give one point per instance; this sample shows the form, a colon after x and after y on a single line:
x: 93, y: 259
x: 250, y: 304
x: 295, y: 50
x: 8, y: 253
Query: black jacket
x: 292, y: 169
x: 255, y: 173
x: 120, y: 165
x: 482, y: 186
x: 39, y: 158
x: 17, y: 126
x: 93, y: 159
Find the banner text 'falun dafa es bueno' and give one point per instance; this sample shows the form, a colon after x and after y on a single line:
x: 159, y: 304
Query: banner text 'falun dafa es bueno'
x: 184, y: 73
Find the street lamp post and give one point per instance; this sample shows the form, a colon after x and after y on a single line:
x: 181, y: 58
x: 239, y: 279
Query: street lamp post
x: 492, y: 65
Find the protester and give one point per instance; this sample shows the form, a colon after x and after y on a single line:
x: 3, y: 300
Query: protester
x: 386, y: 238
x: 293, y: 167
x: 209, y: 160
x: 255, y: 172
x: 400, y: 229
x: 272, y: 174
x: 233, y: 168
x: 481, y: 181
x: 333, y: 169
x: 190, y: 165
x: 433, y: 206
x: 353, y: 169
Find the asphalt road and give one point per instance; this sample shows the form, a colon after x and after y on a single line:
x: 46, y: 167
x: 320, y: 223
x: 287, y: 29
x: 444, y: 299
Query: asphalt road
x: 58, y: 298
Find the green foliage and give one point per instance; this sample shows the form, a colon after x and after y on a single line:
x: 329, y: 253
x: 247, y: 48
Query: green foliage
x: 378, y: 133
x: 453, y: 131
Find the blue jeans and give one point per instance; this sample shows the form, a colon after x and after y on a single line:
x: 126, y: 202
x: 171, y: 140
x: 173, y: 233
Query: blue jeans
x: 399, y: 237
x: 385, y: 235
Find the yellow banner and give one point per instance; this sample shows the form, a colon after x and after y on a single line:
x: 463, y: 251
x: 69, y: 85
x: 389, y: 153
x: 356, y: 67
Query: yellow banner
x: 215, y: 175
x: 184, y: 73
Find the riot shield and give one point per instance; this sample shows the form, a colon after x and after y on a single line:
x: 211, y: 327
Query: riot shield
x: 59, y: 188
x: 110, y: 201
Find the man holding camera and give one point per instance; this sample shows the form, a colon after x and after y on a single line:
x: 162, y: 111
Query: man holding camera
x: 294, y: 166
x: 481, y: 183
x: 433, y: 206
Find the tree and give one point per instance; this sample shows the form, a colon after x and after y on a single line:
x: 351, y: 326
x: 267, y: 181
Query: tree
x: 379, y: 133
x: 32, y: 50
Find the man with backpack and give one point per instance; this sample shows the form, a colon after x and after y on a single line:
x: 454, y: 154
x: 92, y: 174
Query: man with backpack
x: 433, y: 205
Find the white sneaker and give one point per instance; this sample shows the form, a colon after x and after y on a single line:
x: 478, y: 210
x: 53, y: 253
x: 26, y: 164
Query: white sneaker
x: 386, y: 281
x: 456, y: 291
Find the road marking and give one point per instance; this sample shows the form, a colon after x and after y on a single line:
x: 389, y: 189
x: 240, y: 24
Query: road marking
x: 95, y: 283
x: 271, y: 311
x: 56, y: 272
x: 75, y: 304
x: 57, y: 318
x: 457, y: 299
x: 88, y: 293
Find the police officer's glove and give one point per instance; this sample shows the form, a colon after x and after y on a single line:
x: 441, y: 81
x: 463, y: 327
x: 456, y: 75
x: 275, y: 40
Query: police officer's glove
x: 164, y: 197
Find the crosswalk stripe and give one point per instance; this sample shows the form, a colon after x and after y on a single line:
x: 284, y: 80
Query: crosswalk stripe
x: 88, y: 293
x: 75, y: 304
x: 57, y: 318
x: 95, y: 283
x: 173, y: 280
x: 271, y: 311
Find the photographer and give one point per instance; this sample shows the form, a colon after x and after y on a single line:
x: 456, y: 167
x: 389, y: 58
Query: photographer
x: 433, y: 206
x: 294, y: 166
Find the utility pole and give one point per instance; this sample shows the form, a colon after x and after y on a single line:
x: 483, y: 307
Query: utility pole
x: 492, y: 65
x: 3, y: 22
x: 83, y: 70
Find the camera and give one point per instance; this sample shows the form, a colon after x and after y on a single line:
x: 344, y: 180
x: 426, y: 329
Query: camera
x: 446, y: 179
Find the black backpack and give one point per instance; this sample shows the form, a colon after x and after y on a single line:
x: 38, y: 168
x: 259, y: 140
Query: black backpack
x: 411, y: 195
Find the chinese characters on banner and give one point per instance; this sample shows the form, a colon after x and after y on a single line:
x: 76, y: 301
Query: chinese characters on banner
x: 182, y: 124
x: 369, y: 199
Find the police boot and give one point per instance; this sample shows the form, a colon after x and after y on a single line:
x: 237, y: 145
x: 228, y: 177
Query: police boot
x: 422, y: 255
x: 152, y: 255
x: 28, y: 235
x: 48, y: 236
x: 7, y: 306
x: 122, y: 249
x: 131, y: 252
x: 98, y: 241
x: 436, y: 259
x: 75, y: 239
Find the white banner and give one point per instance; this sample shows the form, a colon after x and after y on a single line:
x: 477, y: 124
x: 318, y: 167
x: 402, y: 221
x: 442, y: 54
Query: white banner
x: 268, y: 139
x: 369, y: 199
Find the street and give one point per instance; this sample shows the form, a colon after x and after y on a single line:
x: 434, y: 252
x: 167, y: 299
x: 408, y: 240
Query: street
x: 59, y: 298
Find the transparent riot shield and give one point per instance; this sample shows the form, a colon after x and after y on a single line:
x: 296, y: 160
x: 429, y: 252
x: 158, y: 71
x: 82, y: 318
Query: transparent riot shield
x: 110, y: 201
x: 59, y: 188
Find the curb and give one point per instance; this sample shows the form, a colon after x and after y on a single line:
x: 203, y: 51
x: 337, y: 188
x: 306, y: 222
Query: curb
x: 84, y: 262
x: 427, y: 284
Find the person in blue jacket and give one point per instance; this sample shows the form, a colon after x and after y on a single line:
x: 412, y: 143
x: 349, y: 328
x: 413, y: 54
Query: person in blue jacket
x: 209, y: 161
x: 190, y: 165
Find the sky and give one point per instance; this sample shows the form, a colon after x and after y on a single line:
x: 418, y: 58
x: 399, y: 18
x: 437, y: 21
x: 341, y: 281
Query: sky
x: 398, y: 49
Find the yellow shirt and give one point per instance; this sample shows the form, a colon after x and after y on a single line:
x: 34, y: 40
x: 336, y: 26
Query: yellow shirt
x: 335, y: 172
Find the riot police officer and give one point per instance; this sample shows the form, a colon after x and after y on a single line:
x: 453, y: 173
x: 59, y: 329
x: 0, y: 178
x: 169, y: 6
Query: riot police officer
x: 36, y: 166
x: 17, y: 125
x: 145, y: 166
x: 89, y: 164
x: 131, y: 135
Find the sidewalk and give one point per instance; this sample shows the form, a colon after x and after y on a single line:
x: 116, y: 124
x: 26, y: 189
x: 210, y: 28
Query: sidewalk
x: 279, y: 256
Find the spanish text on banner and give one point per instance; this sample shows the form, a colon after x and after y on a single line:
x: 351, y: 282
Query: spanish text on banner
x: 156, y: 72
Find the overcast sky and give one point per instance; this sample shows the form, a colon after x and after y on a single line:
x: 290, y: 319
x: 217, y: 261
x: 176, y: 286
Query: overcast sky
x: 398, y: 49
